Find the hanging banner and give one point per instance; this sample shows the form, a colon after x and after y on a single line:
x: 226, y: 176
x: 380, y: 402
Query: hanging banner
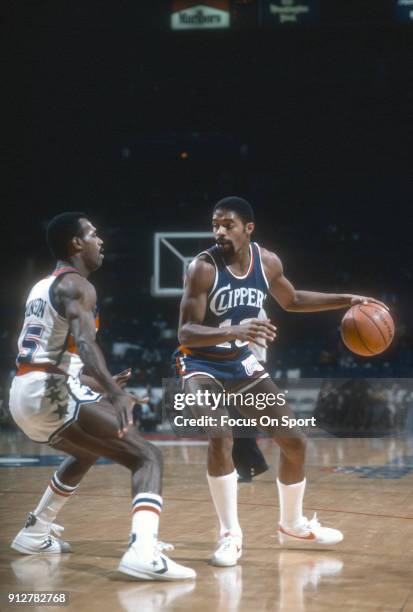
x: 200, y: 15
x: 404, y: 10
x: 283, y: 12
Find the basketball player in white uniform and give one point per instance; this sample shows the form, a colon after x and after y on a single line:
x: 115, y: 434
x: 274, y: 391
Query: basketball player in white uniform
x: 51, y: 405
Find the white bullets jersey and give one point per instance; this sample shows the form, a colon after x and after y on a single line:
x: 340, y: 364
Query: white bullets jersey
x: 45, y: 339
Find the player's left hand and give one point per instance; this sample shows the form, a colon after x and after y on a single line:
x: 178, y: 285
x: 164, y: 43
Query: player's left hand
x: 136, y: 400
x: 359, y: 299
x: 125, y: 404
x: 122, y: 378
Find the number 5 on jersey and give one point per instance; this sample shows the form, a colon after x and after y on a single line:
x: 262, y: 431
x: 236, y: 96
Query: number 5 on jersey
x: 29, y: 344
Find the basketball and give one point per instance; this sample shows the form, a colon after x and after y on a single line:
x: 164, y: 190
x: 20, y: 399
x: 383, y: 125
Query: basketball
x: 367, y: 329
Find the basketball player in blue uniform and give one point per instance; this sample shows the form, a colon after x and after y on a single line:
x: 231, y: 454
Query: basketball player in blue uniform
x: 51, y: 403
x: 224, y: 291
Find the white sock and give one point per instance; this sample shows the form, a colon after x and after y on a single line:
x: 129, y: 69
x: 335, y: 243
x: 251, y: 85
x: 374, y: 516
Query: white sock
x: 291, y: 503
x: 53, y: 500
x: 146, y: 508
x: 224, y: 495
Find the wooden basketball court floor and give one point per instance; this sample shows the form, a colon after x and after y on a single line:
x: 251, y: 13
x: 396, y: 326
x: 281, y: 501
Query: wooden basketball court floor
x: 362, y: 486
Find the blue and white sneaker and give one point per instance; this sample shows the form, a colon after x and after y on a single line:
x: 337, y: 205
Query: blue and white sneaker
x: 154, y: 565
x: 36, y: 537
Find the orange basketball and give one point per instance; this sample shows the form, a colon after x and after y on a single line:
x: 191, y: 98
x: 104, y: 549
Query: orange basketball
x: 367, y: 329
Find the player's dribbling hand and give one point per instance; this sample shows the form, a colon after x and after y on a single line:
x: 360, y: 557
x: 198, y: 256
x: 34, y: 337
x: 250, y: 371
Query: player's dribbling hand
x: 359, y: 299
x: 258, y: 331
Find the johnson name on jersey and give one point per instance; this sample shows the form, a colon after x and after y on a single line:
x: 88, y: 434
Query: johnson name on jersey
x: 45, y: 339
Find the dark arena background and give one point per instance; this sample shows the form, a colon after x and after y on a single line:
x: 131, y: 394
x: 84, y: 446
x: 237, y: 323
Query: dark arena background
x: 144, y: 114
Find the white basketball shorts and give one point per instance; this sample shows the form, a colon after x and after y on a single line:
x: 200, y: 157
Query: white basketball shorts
x: 42, y: 404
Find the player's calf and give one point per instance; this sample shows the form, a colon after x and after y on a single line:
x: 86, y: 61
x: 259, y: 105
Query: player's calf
x: 293, y: 448
x: 220, y: 456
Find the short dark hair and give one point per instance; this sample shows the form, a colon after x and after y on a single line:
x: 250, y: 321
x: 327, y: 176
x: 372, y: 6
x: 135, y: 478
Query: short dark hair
x: 239, y: 206
x: 60, y: 231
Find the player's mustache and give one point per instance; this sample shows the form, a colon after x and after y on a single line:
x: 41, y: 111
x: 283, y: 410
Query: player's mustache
x: 223, y: 242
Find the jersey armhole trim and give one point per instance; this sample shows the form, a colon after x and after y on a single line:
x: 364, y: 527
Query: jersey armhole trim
x: 55, y: 279
x: 262, y: 267
x: 52, y: 300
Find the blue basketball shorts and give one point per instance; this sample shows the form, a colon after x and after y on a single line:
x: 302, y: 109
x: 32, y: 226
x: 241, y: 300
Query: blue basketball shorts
x: 242, y: 367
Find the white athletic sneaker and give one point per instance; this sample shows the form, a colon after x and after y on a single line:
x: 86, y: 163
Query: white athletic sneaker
x: 228, y: 552
x: 36, y: 537
x: 310, y: 534
x: 155, y: 566
x: 165, y: 546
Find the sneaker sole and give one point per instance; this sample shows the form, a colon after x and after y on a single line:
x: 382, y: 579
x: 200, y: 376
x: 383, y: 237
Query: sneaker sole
x: 217, y: 563
x: 148, y: 575
x: 307, y: 544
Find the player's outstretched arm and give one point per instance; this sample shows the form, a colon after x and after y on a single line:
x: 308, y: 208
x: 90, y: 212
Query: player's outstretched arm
x: 192, y: 332
x: 77, y: 299
x: 295, y: 300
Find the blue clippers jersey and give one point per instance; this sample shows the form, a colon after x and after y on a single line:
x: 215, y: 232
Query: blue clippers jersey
x: 234, y: 299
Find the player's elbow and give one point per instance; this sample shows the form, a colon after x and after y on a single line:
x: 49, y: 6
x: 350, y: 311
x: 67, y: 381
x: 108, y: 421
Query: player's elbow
x: 183, y: 334
x: 187, y: 334
x: 83, y: 347
x: 290, y: 305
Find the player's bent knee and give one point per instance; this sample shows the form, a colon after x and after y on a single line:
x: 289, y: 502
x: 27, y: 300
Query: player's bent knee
x: 293, y: 447
x: 148, y: 453
x: 86, y: 463
x: 220, y: 446
x: 155, y: 454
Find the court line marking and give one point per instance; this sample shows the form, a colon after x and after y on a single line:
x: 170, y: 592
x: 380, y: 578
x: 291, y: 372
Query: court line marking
x: 263, y: 505
x: 7, y: 460
x: 259, y: 505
